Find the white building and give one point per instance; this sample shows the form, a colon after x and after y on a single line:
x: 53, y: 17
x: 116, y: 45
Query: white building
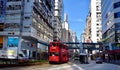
x: 65, y: 29
x: 95, y: 10
x: 93, y: 30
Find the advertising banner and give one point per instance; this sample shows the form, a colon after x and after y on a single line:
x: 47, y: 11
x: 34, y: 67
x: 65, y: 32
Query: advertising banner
x: 13, y: 41
x: 2, y: 10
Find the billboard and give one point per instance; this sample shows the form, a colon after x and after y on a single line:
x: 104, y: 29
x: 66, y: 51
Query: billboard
x: 13, y: 41
x: 2, y: 10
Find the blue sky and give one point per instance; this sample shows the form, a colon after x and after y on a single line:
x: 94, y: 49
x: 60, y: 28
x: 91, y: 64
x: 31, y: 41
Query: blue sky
x: 77, y: 11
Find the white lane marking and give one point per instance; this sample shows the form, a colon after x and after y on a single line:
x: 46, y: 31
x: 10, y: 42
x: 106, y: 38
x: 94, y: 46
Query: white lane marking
x: 68, y: 66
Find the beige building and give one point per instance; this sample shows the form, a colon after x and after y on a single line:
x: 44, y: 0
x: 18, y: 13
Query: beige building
x: 87, y: 33
x: 93, y: 31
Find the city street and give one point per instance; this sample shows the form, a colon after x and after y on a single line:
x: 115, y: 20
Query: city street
x: 34, y: 33
x: 69, y: 66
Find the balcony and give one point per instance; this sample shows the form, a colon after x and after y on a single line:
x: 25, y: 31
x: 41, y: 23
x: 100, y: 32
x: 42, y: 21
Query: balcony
x: 41, y: 11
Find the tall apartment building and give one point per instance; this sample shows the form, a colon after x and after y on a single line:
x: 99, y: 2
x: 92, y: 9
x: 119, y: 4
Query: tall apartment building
x: 93, y: 21
x: 65, y: 29
x: 111, y: 21
x: 25, y: 24
x: 58, y: 14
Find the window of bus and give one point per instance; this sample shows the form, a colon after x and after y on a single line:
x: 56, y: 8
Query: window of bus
x: 54, y: 54
x: 53, y: 45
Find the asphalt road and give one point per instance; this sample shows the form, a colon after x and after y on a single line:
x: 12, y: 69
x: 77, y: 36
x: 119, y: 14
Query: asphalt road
x: 69, y: 66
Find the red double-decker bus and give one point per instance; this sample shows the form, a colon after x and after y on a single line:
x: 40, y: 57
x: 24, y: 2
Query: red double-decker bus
x: 58, y: 52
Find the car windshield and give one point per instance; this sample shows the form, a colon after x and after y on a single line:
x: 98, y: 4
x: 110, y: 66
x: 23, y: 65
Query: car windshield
x: 98, y: 58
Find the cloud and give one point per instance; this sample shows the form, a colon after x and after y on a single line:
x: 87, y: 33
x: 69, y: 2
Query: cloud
x: 79, y: 20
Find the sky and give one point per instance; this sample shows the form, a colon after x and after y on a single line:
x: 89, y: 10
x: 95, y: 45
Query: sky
x: 77, y: 11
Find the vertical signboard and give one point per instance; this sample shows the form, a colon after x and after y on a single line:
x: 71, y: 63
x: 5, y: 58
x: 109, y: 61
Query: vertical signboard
x: 2, y: 10
x: 13, y: 41
x: 1, y: 41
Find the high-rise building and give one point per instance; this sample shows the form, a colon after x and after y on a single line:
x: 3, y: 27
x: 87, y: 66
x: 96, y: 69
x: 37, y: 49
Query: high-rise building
x: 87, y: 31
x: 93, y: 21
x: 65, y: 29
x: 93, y: 32
x: 111, y: 29
x: 25, y: 24
x: 58, y: 14
x: 111, y: 21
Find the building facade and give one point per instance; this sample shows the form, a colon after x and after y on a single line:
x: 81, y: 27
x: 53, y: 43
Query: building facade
x: 58, y: 14
x: 26, y: 24
x: 93, y: 31
x: 65, y: 29
x: 95, y: 23
x: 87, y: 30
x: 110, y: 21
x: 111, y: 29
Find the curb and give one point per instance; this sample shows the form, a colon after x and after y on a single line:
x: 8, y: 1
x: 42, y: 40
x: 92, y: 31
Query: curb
x: 22, y: 64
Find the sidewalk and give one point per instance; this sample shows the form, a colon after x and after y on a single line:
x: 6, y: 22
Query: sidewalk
x: 114, y: 62
x: 23, y: 64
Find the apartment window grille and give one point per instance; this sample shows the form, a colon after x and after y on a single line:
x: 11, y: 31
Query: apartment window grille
x: 14, y: 7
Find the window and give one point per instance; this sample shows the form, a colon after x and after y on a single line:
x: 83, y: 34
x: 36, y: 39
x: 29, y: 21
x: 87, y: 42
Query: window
x: 117, y: 25
x: 106, y: 47
x: 27, y: 17
x: 117, y: 15
x: 116, y: 5
x: 115, y: 46
x: 97, y: 35
x: 27, y: 0
x: 14, y: 7
x: 1, y: 26
x: 97, y: 24
x: 54, y: 54
x: 11, y: 25
x: 2, y: 8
